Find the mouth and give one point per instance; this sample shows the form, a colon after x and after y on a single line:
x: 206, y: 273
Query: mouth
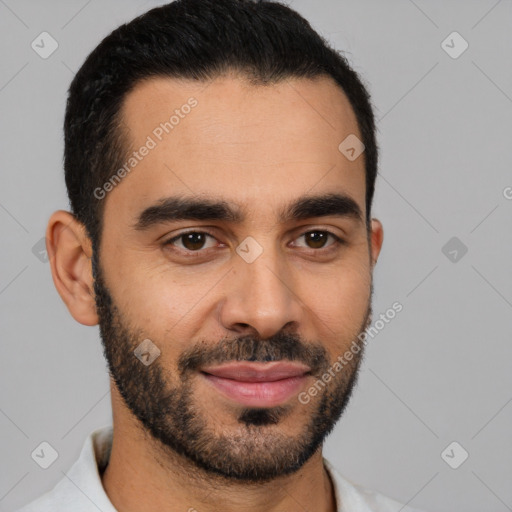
x: 257, y: 384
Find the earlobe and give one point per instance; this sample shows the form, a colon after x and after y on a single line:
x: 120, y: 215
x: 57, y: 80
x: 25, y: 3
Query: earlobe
x: 376, y: 240
x: 69, y: 252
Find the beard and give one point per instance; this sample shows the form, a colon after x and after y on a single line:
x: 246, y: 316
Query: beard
x: 256, y: 450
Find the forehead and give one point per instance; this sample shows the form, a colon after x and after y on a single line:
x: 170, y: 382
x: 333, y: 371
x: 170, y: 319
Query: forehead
x: 230, y: 102
x: 240, y: 142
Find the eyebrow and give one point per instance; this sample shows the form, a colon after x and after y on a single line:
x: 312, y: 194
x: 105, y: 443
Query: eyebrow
x: 186, y: 208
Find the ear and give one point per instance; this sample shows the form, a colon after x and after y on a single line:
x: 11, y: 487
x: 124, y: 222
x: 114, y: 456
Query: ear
x: 69, y: 252
x: 376, y: 240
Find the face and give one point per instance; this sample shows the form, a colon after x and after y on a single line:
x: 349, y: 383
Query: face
x: 237, y: 247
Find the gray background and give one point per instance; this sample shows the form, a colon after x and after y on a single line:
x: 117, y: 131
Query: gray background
x: 438, y: 373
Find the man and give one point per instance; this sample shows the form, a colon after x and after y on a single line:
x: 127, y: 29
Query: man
x: 220, y: 162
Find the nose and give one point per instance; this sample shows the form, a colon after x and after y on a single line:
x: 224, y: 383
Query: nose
x: 261, y: 297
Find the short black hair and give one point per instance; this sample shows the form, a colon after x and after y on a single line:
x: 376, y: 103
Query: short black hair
x: 265, y: 41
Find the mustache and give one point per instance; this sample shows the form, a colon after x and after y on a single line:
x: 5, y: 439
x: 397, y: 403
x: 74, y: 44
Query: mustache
x: 282, y: 346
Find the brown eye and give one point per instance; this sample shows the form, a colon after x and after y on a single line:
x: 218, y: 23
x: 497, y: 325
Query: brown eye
x: 316, y: 239
x: 192, y: 241
x: 319, y: 239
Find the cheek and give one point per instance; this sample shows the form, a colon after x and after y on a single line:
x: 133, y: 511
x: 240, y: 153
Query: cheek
x: 339, y: 301
x: 162, y: 302
x: 352, y: 293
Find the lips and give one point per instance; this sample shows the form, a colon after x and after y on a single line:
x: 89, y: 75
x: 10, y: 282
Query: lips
x: 245, y: 371
x: 257, y: 384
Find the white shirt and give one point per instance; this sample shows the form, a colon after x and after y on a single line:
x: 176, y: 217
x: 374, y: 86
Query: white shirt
x: 82, y: 491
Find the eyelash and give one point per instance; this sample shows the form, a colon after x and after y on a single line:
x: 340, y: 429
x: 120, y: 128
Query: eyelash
x: 189, y: 253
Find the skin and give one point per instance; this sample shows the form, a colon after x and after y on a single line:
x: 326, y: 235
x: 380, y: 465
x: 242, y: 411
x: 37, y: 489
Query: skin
x: 258, y: 147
